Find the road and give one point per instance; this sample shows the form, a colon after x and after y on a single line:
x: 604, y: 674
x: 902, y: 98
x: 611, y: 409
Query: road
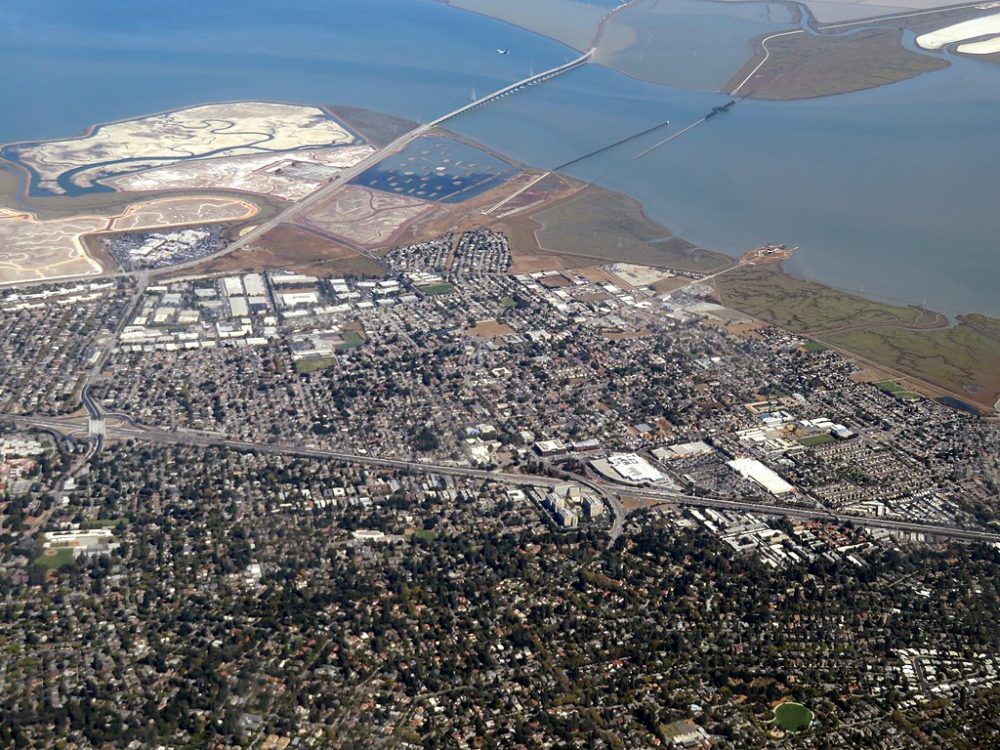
x: 810, y: 514
x: 612, y: 493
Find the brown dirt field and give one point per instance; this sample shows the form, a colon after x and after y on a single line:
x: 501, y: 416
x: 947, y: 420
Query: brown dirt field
x: 670, y: 284
x: 748, y: 328
x: 96, y: 250
x: 529, y: 263
x: 299, y: 250
x: 600, y: 273
x: 490, y: 329
x: 555, y: 281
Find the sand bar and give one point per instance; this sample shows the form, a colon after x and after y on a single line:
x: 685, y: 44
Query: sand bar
x: 957, y: 32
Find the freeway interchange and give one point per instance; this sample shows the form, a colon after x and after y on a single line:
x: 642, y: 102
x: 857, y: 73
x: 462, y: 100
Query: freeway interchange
x: 123, y: 427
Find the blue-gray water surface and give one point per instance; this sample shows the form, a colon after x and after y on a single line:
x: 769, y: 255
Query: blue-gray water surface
x: 890, y: 192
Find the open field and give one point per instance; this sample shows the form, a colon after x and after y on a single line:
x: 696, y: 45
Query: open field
x: 164, y: 212
x: 314, y: 364
x: 434, y: 290
x: 800, y: 66
x: 804, y: 307
x: 285, y: 177
x: 792, y: 717
x: 296, y: 249
x: 490, y: 329
x: 54, y: 557
x: 895, y: 389
x: 813, y: 441
x: 611, y: 226
x: 513, y: 218
x: 33, y: 249
x: 365, y: 217
x: 959, y: 359
x: 645, y: 276
x: 214, y: 130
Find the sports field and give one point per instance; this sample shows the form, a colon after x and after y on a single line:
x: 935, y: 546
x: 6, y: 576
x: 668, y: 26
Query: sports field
x: 792, y: 717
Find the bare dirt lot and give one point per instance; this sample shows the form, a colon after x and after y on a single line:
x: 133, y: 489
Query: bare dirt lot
x: 365, y: 217
x: 490, y: 329
x: 297, y: 249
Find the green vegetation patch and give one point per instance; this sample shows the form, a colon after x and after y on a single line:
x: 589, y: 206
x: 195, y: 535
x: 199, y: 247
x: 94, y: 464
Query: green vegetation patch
x: 314, y: 364
x: 432, y: 290
x: 813, y: 440
x: 802, y: 66
x: 792, y: 717
x: 960, y: 358
x: 351, y: 340
x: 804, y: 307
x: 815, y: 347
x: 895, y: 389
x: 612, y: 226
x: 54, y: 557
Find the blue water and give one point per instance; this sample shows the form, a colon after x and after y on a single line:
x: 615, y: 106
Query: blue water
x: 438, y: 169
x: 890, y: 192
x: 689, y: 43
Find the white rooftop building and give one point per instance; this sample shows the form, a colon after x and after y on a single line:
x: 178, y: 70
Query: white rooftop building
x: 751, y: 468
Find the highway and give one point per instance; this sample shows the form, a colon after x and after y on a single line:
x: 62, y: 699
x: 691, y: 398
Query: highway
x: 809, y: 514
x: 611, y: 493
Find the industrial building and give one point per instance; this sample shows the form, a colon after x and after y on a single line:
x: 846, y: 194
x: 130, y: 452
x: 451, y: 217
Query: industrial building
x: 628, y: 468
x: 751, y: 468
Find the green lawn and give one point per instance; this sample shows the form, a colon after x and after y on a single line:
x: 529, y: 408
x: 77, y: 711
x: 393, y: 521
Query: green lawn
x: 792, y: 717
x: 432, y: 290
x: 314, y: 364
x: 895, y: 389
x: 813, y: 346
x: 813, y: 440
x: 54, y: 558
x: 351, y: 340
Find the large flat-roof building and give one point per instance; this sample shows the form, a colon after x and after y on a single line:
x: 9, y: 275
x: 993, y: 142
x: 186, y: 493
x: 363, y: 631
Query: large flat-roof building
x: 628, y: 468
x: 751, y: 468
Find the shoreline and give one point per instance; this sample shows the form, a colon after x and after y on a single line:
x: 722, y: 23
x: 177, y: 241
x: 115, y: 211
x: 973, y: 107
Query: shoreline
x: 533, y: 215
